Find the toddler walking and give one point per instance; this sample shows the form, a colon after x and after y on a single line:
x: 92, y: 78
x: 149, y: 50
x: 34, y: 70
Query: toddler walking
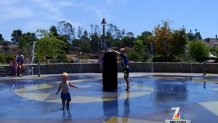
x: 64, y: 88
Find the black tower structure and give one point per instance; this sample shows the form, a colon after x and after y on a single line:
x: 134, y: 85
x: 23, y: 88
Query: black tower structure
x: 110, y: 71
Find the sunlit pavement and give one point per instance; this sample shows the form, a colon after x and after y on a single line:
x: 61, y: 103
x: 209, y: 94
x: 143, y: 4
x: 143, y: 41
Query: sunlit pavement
x: 32, y: 99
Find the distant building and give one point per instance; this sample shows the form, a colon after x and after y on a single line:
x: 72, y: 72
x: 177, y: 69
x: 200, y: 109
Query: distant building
x: 212, y: 42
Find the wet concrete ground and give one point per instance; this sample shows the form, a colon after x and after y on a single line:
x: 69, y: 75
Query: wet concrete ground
x: 30, y: 99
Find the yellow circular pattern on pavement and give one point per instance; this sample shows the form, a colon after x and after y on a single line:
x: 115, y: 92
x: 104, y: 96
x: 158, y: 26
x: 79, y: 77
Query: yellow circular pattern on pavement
x: 42, y: 92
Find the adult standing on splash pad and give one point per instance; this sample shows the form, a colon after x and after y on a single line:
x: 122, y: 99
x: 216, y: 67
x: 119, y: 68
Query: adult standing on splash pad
x: 124, y: 63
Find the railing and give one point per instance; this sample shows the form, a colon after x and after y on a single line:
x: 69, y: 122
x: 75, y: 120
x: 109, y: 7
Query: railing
x: 51, y: 61
x: 166, y: 67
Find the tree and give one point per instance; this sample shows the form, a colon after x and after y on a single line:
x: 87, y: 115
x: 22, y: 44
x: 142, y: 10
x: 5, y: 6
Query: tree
x: 130, y: 34
x: 207, y: 40
x: 108, y: 37
x: 84, y: 37
x: 191, y: 36
x: 95, y: 42
x: 169, y: 43
x: 139, y: 52
x: 198, y: 36
x: 24, y: 40
x: 66, y: 28
x: 53, y: 31
x: 79, y: 33
x: 123, y: 32
x: 127, y: 41
x: 5, y: 46
x: 177, y: 41
x: 49, y: 47
x: 65, y: 43
x: 62, y: 38
x: 134, y: 56
x: 85, y: 42
x: 1, y: 39
x: 85, y: 46
x: 16, y: 35
x: 145, y: 34
x: 115, y: 32
x: 161, y: 40
x: 85, y: 33
x: 138, y: 46
x: 145, y: 37
x: 111, y: 29
x: 95, y: 29
x: 26, y: 43
x: 118, y: 34
x: 76, y: 43
x: 41, y: 33
x: 198, y: 50
x: 28, y: 37
x: 117, y: 43
x: 216, y: 51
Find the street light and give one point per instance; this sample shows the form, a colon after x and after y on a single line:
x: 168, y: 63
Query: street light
x: 103, y: 43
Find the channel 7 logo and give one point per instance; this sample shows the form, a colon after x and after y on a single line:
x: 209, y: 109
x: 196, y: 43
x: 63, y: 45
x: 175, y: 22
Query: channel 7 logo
x: 177, y: 118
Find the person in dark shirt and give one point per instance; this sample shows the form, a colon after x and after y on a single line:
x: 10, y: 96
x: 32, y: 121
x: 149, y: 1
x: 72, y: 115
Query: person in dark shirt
x: 20, y: 63
x: 20, y: 58
x: 124, y: 63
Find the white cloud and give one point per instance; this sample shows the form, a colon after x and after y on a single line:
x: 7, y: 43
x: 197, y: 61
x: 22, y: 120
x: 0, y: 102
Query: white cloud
x: 109, y: 1
x: 34, y: 25
x: 124, y: 1
x: 46, y: 7
x: 13, y: 14
x: 115, y: 1
x: 34, y: 14
x: 30, y: 15
x: 96, y: 11
x: 99, y: 13
x: 65, y: 3
x: 52, y: 10
x: 12, y: 10
x: 22, y: 9
x: 9, y: 2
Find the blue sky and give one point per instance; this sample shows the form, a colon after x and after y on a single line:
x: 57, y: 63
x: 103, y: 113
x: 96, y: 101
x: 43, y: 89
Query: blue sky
x: 132, y: 15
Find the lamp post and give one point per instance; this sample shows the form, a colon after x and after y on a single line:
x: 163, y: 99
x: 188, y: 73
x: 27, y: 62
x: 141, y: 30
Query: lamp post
x: 103, y: 43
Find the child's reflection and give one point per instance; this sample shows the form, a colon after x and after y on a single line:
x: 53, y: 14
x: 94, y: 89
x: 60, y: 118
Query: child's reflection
x: 126, y: 107
x: 67, y: 114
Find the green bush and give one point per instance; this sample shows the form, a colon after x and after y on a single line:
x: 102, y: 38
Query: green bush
x: 9, y: 57
x: 216, y: 51
x: 6, y: 58
x: 62, y: 57
x: 178, y: 59
x: 1, y: 58
x: 158, y: 58
x: 198, y: 50
x: 135, y: 56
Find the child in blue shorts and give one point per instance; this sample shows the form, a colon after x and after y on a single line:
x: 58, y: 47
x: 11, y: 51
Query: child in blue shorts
x: 64, y: 87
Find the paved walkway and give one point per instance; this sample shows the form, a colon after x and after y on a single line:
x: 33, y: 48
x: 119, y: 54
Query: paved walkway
x: 32, y: 99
